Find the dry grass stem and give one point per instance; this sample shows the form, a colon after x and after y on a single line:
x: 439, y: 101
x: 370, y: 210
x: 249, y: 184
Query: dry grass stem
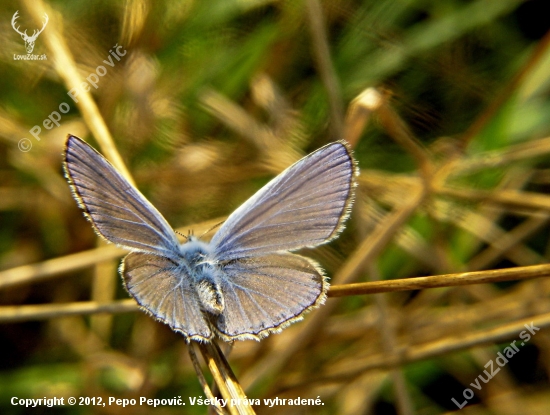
x: 47, y: 311
x: 52, y: 268
x: 438, y: 281
x: 202, y: 380
x: 359, y: 112
x: 225, y: 380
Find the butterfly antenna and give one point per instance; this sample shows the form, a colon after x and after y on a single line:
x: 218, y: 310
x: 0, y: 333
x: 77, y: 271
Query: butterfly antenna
x: 185, y: 236
x: 212, y: 228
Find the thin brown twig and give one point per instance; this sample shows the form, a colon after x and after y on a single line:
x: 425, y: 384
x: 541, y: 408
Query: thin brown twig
x: 225, y: 379
x: 202, y: 380
x: 438, y: 281
x: 13, y: 314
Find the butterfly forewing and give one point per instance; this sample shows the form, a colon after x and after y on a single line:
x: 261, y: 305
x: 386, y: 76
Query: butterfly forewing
x: 303, y: 206
x: 264, y: 294
x: 159, y: 286
x: 118, y: 211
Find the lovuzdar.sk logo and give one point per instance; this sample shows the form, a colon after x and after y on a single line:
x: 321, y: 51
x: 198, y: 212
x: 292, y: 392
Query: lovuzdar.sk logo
x: 29, y: 40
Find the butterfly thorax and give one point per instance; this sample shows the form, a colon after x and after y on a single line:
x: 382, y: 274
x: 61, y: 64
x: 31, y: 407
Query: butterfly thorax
x: 196, y: 259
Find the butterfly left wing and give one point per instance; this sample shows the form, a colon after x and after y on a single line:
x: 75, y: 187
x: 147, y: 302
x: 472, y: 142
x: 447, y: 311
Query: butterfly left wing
x: 305, y: 205
x: 265, y: 294
x: 159, y: 286
x: 118, y: 211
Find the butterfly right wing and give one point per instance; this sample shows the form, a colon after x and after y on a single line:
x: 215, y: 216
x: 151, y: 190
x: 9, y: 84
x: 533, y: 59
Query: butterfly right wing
x: 305, y: 205
x: 159, y: 286
x: 265, y: 294
x: 117, y: 210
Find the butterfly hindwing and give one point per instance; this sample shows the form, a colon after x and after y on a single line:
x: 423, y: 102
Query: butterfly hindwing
x: 264, y: 294
x: 159, y: 285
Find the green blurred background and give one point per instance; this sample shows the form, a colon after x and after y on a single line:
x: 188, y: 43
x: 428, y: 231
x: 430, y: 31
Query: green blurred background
x: 213, y: 98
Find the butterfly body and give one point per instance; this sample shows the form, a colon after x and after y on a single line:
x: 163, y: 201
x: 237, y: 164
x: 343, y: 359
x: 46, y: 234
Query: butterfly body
x: 198, y: 262
x: 196, y: 258
x: 243, y: 284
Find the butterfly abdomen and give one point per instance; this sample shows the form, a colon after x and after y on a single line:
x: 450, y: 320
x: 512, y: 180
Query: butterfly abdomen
x: 195, y: 257
x: 210, y: 296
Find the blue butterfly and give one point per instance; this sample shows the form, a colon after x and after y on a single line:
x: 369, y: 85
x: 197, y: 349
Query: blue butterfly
x: 244, y: 283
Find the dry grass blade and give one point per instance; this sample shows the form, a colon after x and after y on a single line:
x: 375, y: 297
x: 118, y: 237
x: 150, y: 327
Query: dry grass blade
x: 507, y: 198
x: 496, y: 158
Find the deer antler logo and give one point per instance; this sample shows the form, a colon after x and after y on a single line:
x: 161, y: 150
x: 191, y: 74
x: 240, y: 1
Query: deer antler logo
x: 29, y: 40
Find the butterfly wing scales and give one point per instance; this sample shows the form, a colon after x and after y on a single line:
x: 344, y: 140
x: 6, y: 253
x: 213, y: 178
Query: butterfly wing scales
x: 159, y: 286
x: 264, y: 294
x: 118, y: 211
x: 303, y: 206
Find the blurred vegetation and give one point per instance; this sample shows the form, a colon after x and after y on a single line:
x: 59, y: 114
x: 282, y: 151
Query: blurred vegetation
x: 214, y: 98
